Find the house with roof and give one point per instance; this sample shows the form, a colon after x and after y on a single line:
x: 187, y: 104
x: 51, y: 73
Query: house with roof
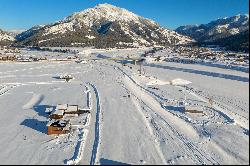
x: 59, y: 111
x: 65, y: 116
x: 58, y: 127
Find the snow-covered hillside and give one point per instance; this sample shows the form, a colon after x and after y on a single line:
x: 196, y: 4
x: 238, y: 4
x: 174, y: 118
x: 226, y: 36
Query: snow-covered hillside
x: 4, y: 36
x: 221, y: 28
x: 15, y: 32
x: 104, y: 25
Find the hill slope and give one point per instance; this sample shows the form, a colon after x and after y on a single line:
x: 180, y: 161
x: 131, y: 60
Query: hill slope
x: 102, y: 26
x: 5, y: 38
x: 231, y: 30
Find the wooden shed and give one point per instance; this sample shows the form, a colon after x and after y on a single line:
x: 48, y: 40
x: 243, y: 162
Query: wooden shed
x: 193, y: 109
x: 58, y: 127
x: 83, y: 110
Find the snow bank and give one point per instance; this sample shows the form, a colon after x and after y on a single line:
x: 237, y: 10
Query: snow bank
x: 79, y: 148
x: 180, y: 82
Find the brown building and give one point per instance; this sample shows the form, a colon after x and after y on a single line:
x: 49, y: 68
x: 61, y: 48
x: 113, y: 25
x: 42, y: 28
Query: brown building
x: 8, y: 58
x: 58, y: 127
x: 193, y: 109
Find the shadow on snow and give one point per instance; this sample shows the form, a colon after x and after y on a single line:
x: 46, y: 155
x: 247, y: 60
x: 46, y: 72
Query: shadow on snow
x: 206, y: 73
x: 110, y: 162
x: 35, y: 124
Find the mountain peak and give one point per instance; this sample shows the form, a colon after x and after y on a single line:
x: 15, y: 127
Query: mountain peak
x: 106, y: 5
x: 104, y: 11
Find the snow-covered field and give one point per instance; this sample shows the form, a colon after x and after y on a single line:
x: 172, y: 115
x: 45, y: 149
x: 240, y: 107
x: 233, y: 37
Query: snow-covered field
x: 136, y: 119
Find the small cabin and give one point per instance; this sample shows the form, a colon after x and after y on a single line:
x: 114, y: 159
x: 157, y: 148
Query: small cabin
x: 84, y: 110
x: 58, y: 127
x: 59, y: 111
x: 193, y: 109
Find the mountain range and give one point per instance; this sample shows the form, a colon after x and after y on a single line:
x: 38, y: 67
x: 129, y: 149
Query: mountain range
x: 229, y: 32
x: 105, y: 26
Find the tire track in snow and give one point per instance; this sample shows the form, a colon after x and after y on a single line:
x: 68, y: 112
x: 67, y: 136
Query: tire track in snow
x: 97, y: 140
x: 150, y: 130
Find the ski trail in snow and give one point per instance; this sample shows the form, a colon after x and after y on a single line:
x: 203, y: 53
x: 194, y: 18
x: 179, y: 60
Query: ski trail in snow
x: 181, y: 129
x: 189, y: 148
x: 151, y: 132
x: 142, y: 94
x: 196, y: 153
x: 97, y: 141
x: 233, y: 117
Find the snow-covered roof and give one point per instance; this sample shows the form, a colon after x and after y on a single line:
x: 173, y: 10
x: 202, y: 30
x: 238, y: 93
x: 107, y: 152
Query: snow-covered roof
x: 58, y: 112
x: 48, y: 110
x: 57, y: 123
x: 62, y: 106
x: 72, y: 108
x: 193, y: 107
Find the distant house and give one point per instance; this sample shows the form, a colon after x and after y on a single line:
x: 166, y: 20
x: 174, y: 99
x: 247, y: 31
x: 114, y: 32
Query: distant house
x: 24, y: 59
x: 193, y: 109
x: 59, y: 118
x: 8, y: 58
x: 43, y: 58
x: 67, y: 77
x: 58, y: 127
x: 65, y: 109
x: 35, y: 59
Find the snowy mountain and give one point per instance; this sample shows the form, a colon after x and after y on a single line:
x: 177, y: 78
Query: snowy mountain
x: 5, y: 38
x: 103, y: 26
x: 29, y: 33
x: 237, y: 42
x: 218, y: 29
x: 15, y: 32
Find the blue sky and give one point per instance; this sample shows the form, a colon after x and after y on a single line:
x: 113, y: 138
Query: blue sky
x: 23, y: 14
